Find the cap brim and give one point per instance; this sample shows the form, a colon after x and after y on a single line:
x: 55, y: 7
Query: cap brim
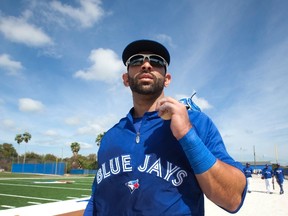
x: 145, y: 46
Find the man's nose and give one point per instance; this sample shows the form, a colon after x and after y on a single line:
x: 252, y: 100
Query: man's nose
x: 146, y: 65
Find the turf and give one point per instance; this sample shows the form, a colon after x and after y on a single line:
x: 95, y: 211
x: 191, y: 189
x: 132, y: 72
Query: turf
x: 17, y: 190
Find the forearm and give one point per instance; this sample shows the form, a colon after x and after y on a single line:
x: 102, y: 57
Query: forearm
x: 223, y: 184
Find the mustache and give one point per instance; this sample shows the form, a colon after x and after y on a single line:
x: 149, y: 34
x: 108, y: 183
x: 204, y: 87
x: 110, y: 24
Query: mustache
x: 140, y: 73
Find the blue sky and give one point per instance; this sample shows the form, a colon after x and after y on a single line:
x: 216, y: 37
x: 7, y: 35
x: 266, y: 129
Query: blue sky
x: 60, y: 69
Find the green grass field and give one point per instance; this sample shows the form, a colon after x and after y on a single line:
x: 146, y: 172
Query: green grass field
x: 18, y: 190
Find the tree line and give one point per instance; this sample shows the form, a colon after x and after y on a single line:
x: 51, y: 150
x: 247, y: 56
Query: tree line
x: 9, y: 155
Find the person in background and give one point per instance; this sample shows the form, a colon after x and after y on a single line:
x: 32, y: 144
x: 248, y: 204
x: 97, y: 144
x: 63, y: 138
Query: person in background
x: 267, y: 175
x: 248, y: 173
x: 279, y: 175
x: 162, y: 158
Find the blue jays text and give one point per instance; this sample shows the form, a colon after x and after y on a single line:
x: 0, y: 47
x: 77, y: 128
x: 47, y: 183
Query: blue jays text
x: 116, y: 165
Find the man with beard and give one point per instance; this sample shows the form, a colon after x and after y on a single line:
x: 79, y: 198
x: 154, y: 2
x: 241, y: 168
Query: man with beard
x: 161, y: 159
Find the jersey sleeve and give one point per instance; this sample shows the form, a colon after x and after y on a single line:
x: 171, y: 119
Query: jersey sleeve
x: 90, y: 210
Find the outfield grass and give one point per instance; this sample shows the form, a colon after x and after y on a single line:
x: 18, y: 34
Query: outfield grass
x: 18, y: 190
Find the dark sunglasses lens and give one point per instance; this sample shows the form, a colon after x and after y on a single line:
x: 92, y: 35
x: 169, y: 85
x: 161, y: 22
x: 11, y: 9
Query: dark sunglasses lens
x: 136, y: 60
x: 156, y: 61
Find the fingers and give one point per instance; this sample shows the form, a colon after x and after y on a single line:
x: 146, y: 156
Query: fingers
x: 169, y: 108
x: 166, y: 107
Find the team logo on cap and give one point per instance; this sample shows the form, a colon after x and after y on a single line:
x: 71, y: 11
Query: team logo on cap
x: 133, y: 185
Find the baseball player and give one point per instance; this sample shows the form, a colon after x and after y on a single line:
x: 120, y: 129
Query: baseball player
x: 267, y: 175
x: 279, y: 175
x: 161, y: 159
x: 248, y: 173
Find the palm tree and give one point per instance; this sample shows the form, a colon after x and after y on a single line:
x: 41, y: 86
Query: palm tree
x: 18, y: 139
x: 26, y: 137
x: 99, y: 138
x: 75, y: 148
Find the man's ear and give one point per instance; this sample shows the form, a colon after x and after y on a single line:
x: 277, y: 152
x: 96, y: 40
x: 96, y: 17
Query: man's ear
x: 125, y: 79
x: 167, y: 79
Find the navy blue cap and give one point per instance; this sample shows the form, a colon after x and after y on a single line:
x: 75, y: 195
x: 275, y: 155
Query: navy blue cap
x: 145, y: 46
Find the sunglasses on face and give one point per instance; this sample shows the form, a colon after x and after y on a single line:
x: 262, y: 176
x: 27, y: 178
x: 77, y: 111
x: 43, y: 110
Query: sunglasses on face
x: 154, y: 60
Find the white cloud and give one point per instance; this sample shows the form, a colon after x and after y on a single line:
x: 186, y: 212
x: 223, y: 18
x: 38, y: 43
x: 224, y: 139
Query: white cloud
x: 105, y: 66
x: 30, y: 105
x: 202, y: 103
x: 85, y: 146
x: 13, y: 67
x: 89, y: 12
x: 165, y: 39
x: 19, y: 31
x: 51, y: 133
x: 92, y: 129
x: 8, y: 123
x: 72, y: 121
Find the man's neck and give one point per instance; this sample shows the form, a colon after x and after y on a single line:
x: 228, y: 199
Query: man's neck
x: 144, y: 103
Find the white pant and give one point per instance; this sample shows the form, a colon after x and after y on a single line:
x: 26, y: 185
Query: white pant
x: 268, y: 183
x: 249, y: 183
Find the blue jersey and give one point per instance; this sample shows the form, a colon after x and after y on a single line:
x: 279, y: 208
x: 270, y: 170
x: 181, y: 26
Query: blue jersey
x: 278, y: 173
x: 146, y: 172
x: 248, y: 172
x: 267, y: 173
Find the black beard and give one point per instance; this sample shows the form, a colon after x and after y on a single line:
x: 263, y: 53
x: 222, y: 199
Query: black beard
x: 145, y: 88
